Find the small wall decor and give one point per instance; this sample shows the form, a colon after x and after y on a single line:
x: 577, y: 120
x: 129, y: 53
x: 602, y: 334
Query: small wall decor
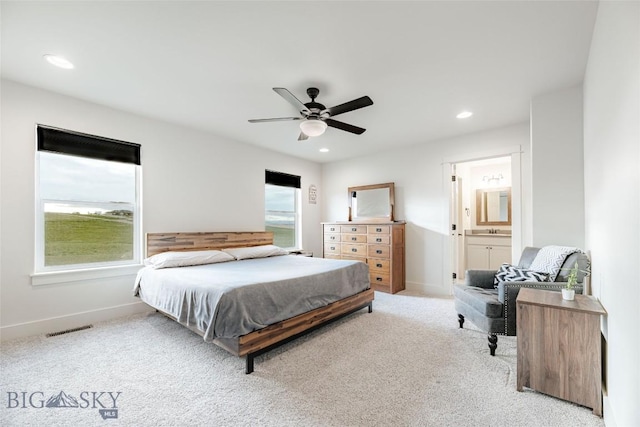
x: 313, y: 194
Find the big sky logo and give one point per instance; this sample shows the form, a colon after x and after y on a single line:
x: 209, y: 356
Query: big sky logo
x: 106, y: 402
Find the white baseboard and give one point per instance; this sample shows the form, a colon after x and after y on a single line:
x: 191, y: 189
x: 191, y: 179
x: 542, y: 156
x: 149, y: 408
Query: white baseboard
x: 54, y: 324
x: 426, y: 289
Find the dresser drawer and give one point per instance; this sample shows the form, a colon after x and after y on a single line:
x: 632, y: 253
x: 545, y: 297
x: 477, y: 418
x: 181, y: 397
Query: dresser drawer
x: 332, y: 248
x: 382, y: 239
x: 378, y: 251
x: 356, y: 249
x: 377, y: 278
x: 331, y: 228
x: 354, y: 229
x: 378, y: 229
x: 332, y: 237
x: 354, y: 238
x: 379, y: 265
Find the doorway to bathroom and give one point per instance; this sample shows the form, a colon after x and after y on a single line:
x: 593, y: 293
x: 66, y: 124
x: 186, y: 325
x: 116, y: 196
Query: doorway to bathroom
x: 482, y: 214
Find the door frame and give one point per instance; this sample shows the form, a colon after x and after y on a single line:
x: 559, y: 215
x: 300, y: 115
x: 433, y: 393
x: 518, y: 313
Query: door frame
x: 517, y: 229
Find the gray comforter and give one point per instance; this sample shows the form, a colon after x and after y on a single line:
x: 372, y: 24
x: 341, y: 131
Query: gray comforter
x: 231, y: 299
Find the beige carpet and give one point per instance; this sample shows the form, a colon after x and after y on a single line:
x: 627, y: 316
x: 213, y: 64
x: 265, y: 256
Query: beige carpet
x: 405, y: 364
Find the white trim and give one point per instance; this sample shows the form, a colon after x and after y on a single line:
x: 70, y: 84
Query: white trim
x: 517, y: 224
x: 484, y: 154
x: 48, y: 278
x: 54, y: 324
x: 39, y: 254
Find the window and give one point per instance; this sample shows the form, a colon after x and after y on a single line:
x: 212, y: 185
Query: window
x: 282, y: 209
x: 87, y: 201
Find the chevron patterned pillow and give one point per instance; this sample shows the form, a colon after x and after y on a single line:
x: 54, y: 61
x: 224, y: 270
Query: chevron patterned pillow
x: 511, y: 273
x: 549, y: 259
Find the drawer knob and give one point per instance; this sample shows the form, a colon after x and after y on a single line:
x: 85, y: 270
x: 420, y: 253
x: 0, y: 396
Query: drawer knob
x: 354, y: 239
x: 354, y: 229
x: 354, y: 249
x: 378, y: 251
x: 333, y: 237
x: 379, y: 265
x: 333, y: 248
x: 378, y: 240
x: 378, y: 230
x: 379, y: 279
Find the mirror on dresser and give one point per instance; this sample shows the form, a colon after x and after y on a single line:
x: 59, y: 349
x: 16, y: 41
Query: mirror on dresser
x: 371, y: 202
x: 493, y: 206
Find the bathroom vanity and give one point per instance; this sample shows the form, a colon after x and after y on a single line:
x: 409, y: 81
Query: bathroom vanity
x: 485, y: 250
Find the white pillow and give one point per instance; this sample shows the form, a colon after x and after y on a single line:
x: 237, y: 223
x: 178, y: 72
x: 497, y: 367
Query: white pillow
x: 256, y: 252
x: 186, y: 258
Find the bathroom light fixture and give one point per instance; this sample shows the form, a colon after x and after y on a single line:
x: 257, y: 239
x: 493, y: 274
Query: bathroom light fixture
x: 464, y: 115
x: 58, y: 61
x: 496, y: 178
x: 313, y: 127
x: 324, y: 150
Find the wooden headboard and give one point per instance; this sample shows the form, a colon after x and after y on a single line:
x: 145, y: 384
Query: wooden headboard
x: 162, y: 242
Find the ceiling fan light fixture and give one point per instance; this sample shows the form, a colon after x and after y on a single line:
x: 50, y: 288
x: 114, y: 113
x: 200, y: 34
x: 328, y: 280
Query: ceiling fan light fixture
x: 313, y: 127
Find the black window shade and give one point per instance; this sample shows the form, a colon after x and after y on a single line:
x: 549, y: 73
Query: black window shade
x: 80, y: 144
x: 282, y: 179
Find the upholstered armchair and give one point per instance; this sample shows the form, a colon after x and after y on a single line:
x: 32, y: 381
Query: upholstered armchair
x: 492, y: 307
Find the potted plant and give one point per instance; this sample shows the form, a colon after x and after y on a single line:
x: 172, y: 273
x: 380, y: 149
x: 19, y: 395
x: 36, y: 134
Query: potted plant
x: 568, y: 293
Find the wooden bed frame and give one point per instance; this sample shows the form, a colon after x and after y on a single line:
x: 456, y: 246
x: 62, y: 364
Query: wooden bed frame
x: 263, y: 340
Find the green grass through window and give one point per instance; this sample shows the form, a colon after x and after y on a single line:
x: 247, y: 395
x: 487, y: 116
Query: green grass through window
x: 80, y: 239
x: 283, y: 236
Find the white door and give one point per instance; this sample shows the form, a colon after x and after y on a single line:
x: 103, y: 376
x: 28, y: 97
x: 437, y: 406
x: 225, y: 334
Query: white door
x: 455, y: 230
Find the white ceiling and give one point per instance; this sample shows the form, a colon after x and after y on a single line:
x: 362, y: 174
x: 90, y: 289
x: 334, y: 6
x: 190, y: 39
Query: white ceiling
x: 211, y: 65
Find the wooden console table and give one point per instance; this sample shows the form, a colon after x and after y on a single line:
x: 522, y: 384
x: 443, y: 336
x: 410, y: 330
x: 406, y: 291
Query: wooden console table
x: 559, y: 346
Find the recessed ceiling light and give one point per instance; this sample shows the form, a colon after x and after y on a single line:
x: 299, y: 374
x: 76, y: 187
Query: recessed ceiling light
x: 58, y: 61
x: 464, y: 115
x: 324, y: 150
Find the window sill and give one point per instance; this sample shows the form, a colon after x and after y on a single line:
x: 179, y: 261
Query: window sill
x: 49, y: 278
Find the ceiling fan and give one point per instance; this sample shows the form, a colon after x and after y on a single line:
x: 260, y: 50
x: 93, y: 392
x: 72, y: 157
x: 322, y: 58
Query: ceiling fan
x: 315, y: 116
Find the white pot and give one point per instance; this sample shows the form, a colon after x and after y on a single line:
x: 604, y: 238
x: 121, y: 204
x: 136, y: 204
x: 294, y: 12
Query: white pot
x: 568, y: 294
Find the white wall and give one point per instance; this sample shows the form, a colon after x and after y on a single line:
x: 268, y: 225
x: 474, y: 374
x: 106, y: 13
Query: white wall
x: 612, y: 198
x: 192, y: 181
x: 557, y: 168
x: 422, y: 195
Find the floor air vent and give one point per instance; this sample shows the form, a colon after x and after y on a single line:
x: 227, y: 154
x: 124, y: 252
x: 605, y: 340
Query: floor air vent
x: 81, y: 328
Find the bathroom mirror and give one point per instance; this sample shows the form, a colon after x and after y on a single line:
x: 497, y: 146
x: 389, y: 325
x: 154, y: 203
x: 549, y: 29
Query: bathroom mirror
x: 371, y: 202
x: 493, y: 206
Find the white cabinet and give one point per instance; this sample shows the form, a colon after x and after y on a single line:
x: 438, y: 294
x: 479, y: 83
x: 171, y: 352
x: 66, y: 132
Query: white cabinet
x: 487, y: 252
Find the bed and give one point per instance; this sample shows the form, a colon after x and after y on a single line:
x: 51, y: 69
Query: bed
x: 250, y: 306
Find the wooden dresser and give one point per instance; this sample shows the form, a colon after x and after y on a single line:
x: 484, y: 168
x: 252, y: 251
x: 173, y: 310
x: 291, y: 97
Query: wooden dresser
x: 559, y: 346
x: 379, y: 244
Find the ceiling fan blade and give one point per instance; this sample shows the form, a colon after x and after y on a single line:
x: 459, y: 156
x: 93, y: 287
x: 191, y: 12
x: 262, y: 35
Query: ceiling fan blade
x: 277, y: 119
x: 365, y: 101
x: 345, y: 126
x: 289, y: 97
x: 303, y: 136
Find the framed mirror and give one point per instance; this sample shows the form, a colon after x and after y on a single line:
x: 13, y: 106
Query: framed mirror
x: 493, y: 206
x: 371, y: 202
